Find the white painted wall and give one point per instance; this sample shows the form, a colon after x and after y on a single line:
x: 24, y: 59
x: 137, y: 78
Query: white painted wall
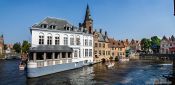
x: 53, y: 33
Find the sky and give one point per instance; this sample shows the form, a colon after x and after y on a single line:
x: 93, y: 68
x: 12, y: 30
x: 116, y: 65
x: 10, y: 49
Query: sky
x: 122, y: 19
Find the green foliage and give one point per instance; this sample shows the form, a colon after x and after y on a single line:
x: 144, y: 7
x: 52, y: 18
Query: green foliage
x: 17, y: 47
x: 155, y: 44
x: 25, y: 46
x: 145, y: 44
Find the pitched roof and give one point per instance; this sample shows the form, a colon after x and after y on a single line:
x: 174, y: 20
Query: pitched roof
x: 51, y: 48
x: 59, y: 23
x: 101, y: 36
x: 116, y: 44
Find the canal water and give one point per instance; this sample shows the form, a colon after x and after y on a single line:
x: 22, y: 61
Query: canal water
x: 139, y: 72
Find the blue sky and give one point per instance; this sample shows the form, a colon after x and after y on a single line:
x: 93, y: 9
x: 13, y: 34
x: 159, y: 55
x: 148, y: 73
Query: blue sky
x: 120, y: 18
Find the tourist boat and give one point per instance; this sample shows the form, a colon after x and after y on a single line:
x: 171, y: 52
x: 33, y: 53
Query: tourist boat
x: 110, y: 64
x: 21, y: 67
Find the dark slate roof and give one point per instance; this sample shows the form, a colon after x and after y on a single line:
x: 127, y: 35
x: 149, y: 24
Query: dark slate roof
x: 172, y: 38
x: 102, y: 37
x: 59, y: 23
x: 51, y: 48
x: 164, y: 38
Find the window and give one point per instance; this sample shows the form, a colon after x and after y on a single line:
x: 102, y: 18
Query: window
x: 86, y: 42
x: 112, y: 53
x: 41, y: 39
x: 57, y: 40
x: 103, y: 52
x: 75, y: 53
x: 44, y: 26
x: 86, y: 52
x: 103, y: 45
x: 52, y: 26
x: 78, y: 40
x: 49, y: 39
x: 99, y: 52
x: 120, y: 49
x: 65, y: 40
x: 96, y: 45
x: 71, y: 40
x: 99, y: 44
x: 90, y: 52
x: 108, y: 52
x: 90, y: 42
x: 95, y: 52
x: 79, y: 53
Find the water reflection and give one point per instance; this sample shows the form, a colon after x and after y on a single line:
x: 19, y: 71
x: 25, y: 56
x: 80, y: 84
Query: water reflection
x: 134, y: 72
x: 10, y: 74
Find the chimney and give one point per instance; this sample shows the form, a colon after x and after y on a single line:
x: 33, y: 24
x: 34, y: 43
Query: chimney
x: 100, y: 30
x: 105, y: 33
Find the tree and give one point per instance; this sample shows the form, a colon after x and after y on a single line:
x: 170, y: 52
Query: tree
x: 155, y: 44
x: 25, y: 46
x: 145, y: 44
x: 17, y: 47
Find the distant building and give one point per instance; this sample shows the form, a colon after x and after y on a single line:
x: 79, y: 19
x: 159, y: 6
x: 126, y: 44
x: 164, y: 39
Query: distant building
x: 117, y: 48
x: 1, y: 44
x: 9, y: 48
x: 134, y: 45
x: 101, y: 49
x: 167, y: 45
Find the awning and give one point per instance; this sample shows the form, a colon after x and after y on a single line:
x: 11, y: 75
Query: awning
x: 51, y: 48
x: 172, y: 49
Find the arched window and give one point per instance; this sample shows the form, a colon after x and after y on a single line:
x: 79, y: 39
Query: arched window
x: 71, y: 40
x: 57, y: 39
x: 49, y: 39
x: 41, y: 38
x: 78, y: 40
x: 65, y: 40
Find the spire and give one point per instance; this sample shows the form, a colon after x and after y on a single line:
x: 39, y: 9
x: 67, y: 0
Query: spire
x: 88, y: 15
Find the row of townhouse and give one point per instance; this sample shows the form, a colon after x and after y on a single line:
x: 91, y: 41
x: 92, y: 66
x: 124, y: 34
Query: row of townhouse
x: 167, y: 45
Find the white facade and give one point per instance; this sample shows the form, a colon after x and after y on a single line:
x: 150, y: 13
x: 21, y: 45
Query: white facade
x: 164, y: 47
x: 82, y: 52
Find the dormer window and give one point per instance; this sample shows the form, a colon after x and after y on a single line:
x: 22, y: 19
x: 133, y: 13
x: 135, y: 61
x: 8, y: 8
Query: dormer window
x: 44, y: 26
x: 67, y: 28
x: 52, y: 26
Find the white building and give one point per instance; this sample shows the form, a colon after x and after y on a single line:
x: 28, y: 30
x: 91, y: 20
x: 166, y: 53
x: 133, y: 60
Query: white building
x: 53, y: 31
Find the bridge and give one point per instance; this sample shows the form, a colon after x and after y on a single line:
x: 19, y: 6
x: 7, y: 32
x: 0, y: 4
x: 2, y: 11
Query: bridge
x: 12, y: 56
x: 160, y: 56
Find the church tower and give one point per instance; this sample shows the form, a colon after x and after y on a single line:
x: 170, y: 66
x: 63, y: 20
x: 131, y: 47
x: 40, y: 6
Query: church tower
x: 88, y: 22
